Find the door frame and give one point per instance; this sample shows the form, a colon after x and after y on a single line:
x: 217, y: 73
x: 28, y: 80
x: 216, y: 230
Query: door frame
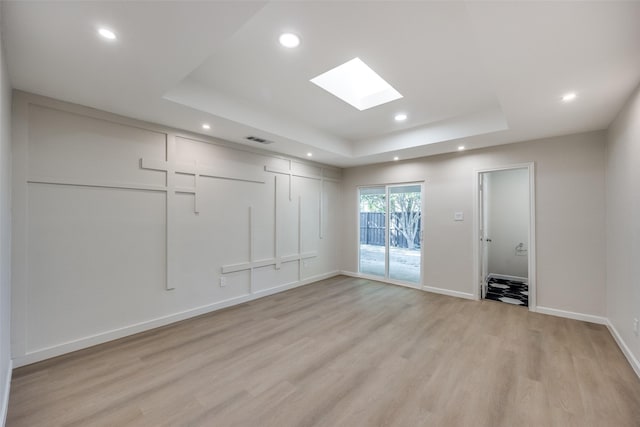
x: 477, y: 239
x: 386, y: 278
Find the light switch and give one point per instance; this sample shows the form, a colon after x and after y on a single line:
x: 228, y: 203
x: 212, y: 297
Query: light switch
x: 458, y: 216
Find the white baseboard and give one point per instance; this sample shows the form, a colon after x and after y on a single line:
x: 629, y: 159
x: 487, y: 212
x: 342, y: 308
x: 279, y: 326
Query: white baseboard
x: 448, y: 292
x: 81, y: 343
x: 281, y: 288
x: 507, y: 277
x: 380, y: 279
x: 572, y: 315
x: 358, y: 275
x: 543, y: 310
x: 424, y: 288
x: 635, y: 364
x: 68, y: 347
x: 5, y: 396
x: 633, y: 361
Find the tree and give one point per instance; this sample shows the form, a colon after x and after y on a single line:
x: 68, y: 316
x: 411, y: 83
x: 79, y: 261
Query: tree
x: 372, y: 203
x: 406, y: 213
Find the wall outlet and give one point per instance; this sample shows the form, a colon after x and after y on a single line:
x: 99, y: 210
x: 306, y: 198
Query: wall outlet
x: 223, y: 281
x: 635, y: 326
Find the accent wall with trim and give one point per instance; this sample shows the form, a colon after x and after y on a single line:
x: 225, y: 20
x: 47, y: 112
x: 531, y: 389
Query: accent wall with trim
x: 121, y: 226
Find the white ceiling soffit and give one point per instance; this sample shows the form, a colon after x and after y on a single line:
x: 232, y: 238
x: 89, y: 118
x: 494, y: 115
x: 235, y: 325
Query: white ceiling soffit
x: 253, y: 80
x: 477, y: 73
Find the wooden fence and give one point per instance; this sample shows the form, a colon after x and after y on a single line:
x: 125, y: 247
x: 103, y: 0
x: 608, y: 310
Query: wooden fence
x: 372, y: 230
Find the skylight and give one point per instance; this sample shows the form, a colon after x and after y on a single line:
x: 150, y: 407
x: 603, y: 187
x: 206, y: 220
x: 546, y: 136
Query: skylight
x: 357, y: 84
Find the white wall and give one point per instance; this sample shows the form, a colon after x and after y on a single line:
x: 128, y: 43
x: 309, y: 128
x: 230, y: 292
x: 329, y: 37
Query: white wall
x: 102, y: 233
x: 569, y: 215
x: 507, y: 209
x: 5, y: 235
x: 623, y: 226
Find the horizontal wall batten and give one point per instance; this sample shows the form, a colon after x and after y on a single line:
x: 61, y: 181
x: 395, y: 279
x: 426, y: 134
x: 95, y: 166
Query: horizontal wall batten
x: 135, y: 246
x: 113, y: 186
x: 234, y: 268
x: 291, y: 172
x: 220, y: 172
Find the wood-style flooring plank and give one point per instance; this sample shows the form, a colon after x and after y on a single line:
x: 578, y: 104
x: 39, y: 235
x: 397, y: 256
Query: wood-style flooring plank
x: 341, y: 352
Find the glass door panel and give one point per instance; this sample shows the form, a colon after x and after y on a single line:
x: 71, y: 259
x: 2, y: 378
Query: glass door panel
x: 405, y: 219
x: 372, y: 250
x: 390, y: 221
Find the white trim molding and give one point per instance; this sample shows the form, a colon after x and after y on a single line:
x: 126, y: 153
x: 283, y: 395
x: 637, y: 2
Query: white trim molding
x: 6, y: 387
x: 387, y: 278
x: 448, y: 292
x: 600, y: 320
x: 241, y: 165
x: 431, y: 289
x: 635, y: 364
x: 380, y: 279
x: 507, y: 277
x: 477, y: 252
x: 89, y: 341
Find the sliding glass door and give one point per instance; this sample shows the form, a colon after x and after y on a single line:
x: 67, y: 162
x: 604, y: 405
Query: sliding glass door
x: 405, y: 217
x: 391, y: 232
x: 373, y: 231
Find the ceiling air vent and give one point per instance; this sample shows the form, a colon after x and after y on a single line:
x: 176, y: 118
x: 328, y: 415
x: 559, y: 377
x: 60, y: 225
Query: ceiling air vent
x: 259, y: 140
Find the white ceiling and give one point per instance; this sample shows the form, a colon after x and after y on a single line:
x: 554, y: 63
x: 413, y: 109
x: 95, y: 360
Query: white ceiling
x: 472, y: 73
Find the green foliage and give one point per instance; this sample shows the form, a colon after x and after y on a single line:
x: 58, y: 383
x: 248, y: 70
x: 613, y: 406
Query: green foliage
x: 372, y: 203
x: 405, y: 209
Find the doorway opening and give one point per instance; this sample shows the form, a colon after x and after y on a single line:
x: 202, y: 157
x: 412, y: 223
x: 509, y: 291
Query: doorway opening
x: 390, y: 237
x: 504, y: 229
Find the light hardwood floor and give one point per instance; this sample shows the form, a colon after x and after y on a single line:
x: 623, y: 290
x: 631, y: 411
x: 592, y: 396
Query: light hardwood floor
x: 341, y: 352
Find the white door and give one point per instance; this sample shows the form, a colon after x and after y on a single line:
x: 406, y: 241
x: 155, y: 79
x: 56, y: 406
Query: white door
x: 485, y: 240
x: 504, y: 232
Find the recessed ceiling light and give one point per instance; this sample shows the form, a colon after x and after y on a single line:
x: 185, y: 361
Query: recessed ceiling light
x: 460, y: 147
x: 396, y: 158
x: 569, y: 97
x: 400, y: 117
x: 309, y: 154
x: 357, y: 84
x: 206, y: 126
x: 107, y: 34
x: 289, y: 40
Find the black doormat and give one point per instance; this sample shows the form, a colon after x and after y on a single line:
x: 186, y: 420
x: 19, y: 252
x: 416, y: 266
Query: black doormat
x: 509, y: 291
